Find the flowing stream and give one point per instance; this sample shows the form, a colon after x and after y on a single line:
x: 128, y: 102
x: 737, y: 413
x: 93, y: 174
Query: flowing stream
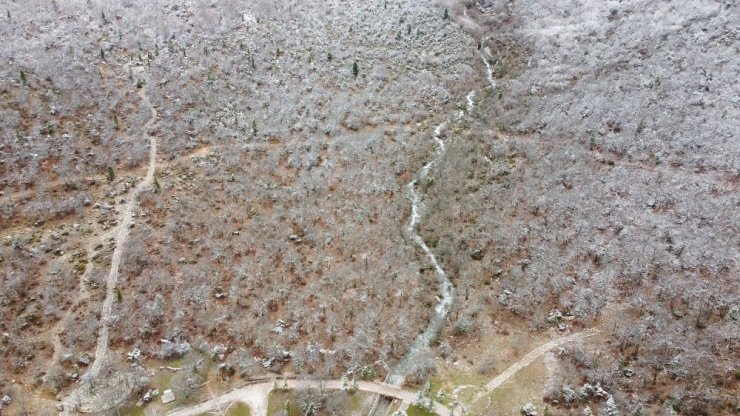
x: 446, y: 289
x: 421, y: 343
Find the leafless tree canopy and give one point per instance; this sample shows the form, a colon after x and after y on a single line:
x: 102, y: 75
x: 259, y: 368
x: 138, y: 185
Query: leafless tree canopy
x: 589, y: 179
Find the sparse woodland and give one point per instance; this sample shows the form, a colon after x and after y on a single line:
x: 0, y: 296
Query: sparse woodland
x: 594, y: 186
x: 604, y: 188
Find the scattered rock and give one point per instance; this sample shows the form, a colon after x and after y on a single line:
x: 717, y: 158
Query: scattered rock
x: 218, y: 352
x: 218, y: 292
x: 569, y: 395
x: 280, y: 327
x: 149, y: 395
x: 586, y: 391
x: 171, y: 350
x: 529, y: 410
x: 599, y: 392
x: 134, y: 355
x: 84, y: 360
x: 505, y: 297
x: 611, y: 407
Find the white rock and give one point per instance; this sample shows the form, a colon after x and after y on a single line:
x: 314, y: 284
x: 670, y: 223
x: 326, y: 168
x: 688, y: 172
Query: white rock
x: 529, y: 410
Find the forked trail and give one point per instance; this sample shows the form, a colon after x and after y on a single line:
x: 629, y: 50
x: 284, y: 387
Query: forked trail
x: 85, y: 393
x: 535, y: 354
x: 120, y: 237
x: 256, y: 395
x: 82, y: 295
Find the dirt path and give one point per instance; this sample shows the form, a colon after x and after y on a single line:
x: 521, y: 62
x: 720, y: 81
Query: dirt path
x: 85, y: 397
x: 124, y: 227
x: 120, y: 233
x: 56, y: 187
x: 82, y: 295
x: 256, y: 395
x: 534, y: 354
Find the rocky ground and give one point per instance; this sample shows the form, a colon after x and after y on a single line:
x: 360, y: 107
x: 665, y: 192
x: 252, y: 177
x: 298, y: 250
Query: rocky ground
x: 599, y: 181
x: 594, y: 183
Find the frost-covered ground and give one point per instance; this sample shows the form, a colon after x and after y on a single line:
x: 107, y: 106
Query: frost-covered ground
x: 275, y: 241
x: 594, y: 184
x: 602, y: 181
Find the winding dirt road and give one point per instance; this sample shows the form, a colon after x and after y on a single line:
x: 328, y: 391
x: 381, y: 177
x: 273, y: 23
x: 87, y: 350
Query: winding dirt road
x: 83, y: 398
x: 256, y: 395
x: 124, y: 227
x: 535, y: 354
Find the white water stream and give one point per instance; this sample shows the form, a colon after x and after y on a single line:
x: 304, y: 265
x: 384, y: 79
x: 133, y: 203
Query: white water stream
x: 446, y: 289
